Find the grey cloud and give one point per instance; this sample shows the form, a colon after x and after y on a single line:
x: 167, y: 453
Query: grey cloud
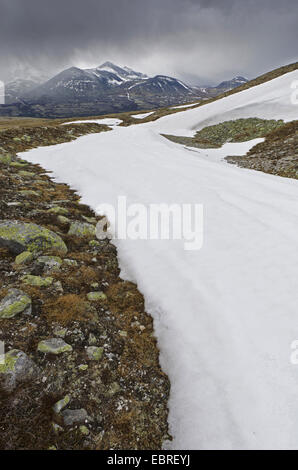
x: 195, y: 40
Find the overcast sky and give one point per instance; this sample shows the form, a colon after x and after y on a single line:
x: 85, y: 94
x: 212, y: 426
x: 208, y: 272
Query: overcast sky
x: 195, y: 40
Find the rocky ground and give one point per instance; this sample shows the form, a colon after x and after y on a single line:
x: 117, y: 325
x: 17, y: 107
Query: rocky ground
x: 82, y: 366
x: 277, y: 155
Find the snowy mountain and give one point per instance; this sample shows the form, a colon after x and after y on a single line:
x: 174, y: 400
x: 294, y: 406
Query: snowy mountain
x: 105, y: 89
x: 123, y: 73
x: 233, y: 83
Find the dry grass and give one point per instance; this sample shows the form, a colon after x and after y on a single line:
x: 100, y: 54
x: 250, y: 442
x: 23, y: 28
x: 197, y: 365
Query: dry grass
x: 66, y: 309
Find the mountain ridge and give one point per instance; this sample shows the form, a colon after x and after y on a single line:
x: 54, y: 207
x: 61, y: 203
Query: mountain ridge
x: 107, y: 88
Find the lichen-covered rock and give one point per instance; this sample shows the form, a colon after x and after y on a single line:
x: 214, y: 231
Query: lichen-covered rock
x: 71, y: 417
x: 70, y: 262
x: 24, y: 257
x: 90, y: 220
x: 29, y: 193
x: 37, y: 281
x: 81, y: 230
x: 84, y: 430
x: 19, y: 164
x: 18, y: 368
x: 50, y: 262
x: 5, y: 158
x: 15, y: 302
x: 96, y: 296
x: 58, y: 210
x: 54, y: 346
x: 94, y: 353
x: 18, y: 237
x: 59, y: 405
x: 63, y: 220
x: 94, y: 244
x: 26, y: 174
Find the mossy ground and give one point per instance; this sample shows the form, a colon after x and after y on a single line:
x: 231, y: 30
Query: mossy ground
x: 277, y: 155
x: 238, y: 130
x: 126, y: 392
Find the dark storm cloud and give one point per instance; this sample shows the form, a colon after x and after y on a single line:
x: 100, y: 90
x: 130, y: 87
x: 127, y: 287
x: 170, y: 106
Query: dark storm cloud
x: 208, y: 39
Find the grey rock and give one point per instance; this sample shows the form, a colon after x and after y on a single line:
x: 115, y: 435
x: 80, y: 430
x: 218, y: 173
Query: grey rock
x: 72, y: 417
x: 18, y: 368
x: 15, y: 302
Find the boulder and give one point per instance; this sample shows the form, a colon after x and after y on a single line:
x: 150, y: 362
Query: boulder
x: 19, y: 237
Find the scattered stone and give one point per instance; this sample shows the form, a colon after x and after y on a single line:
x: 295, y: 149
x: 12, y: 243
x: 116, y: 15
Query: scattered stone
x: 37, y: 281
x: 113, y: 389
x: 94, y: 353
x: 51, y: 263
x: 58, y: 210
x: 16, y: 301
x: 70, y: 262
x: 90, y: 220
x: 5, y: 159
x: 24, y: 258
x: 18, y: 368
x: 54, y: 346
x: 81, y: 229
x: 61, y: 404
x: 92, y: 339
x: 60, y: 332
x: 95, y: 296
x: 57, y: 429
x: 19, y: 236
x: 72, y: 417
x: 63, y: 220
x: 123, y: 334
x: 94, y: 244
x: 29, y: 193
x: 26, y: 174
x: 83, y: 367
x: 84, y: 430
x: 19, y: 164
